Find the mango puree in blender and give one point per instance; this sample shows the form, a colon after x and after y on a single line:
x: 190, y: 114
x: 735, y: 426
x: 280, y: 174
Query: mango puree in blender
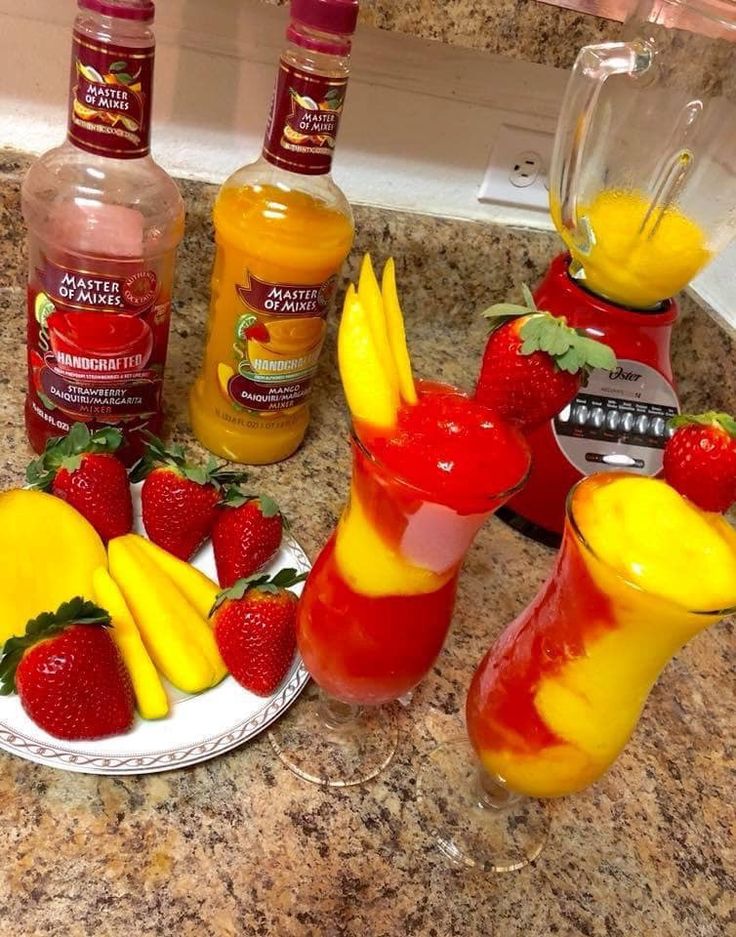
x: 631, y: 259
x: 641, y: 571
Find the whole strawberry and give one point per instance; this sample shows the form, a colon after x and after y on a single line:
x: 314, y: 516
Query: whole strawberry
x: 700, y: 459
x: 534, y: 363
x: 246, y: 535
x: 83, y: 470
x: 179, y: 500
x: 69, y: 674
x: 255, y: 629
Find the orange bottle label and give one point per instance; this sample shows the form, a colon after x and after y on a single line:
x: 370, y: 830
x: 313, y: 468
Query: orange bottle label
x: 277, y: 342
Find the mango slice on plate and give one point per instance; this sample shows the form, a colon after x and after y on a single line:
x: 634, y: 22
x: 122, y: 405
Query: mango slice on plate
x: 371, y: 397
x: 199, y: 590
x: 180, y: 641
x: 48, y: 553
x: 397, y: 333
x: 150, y: 694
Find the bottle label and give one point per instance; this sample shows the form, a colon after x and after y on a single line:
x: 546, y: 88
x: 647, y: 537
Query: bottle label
x: 110, y: 98
x: 279, y: 333
x: 97, y: 343
x: 304, y: 119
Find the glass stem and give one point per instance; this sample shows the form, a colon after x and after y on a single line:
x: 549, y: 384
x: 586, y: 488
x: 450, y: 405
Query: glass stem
x: 491, y: 793
x: 337, y: 716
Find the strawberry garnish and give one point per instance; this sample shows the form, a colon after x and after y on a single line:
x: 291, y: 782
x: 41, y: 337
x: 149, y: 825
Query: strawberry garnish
x: 255, y: 628
x: 258, y: 332
x: 179, y: 499
x: 82, y: 469
x: 700, y: 459
x: 68, y: 673
x: 534, y: 363
x: 246, y: 535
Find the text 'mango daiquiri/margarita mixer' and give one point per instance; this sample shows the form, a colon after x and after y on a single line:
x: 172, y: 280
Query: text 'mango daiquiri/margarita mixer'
x: 283, y: 229
x: 642, y: 191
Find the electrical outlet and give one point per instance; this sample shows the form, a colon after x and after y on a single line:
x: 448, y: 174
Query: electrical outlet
x: 517, y: 169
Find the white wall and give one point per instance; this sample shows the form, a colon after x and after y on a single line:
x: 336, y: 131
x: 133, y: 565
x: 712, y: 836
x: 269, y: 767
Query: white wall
x: 418, y: 128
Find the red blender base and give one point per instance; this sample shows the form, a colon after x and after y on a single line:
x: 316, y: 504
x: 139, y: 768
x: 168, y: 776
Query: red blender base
x: 617, y: 421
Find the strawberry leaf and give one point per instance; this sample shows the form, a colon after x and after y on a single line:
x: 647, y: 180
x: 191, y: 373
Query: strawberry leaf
x: 269, y: 508
x: 283, y: 579
x: 715, y: 418
x: 528, y: 298
x: 67, y: 451
x: 571, y: 349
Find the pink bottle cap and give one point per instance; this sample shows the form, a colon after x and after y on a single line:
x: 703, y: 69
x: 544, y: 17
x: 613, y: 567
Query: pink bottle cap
x: 143, y: 10
x: 329, y: 16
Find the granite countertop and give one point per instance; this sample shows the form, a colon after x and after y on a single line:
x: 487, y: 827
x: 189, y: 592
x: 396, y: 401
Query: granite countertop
x: 529, y: 30
x: 238, y: 845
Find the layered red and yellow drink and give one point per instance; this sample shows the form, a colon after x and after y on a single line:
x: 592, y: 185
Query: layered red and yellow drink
x: 377, y: 606
x: 640, y: 571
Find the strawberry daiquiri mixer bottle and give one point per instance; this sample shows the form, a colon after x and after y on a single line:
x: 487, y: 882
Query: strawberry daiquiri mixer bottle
x: 283, y: 230
x: 104, y: 222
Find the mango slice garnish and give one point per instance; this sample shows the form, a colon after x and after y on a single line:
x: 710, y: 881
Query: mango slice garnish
x: 369, y: 294
x: 370, y: 396
x: 397, y: 333
x: 372, y: 353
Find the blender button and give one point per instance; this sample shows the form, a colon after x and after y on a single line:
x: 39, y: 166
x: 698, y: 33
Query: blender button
x: 627, y: 424
x: 598, y: 417
x: 612, y: 419
x: 642, y: 422
x: 564, y: 415
x: 580, y: 414
x: 657, y: 426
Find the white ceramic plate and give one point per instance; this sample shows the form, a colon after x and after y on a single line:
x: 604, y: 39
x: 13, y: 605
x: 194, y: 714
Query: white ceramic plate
x: 197, y: 728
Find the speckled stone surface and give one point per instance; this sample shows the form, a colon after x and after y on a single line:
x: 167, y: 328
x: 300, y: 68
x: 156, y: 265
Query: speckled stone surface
x: 519, y: 29
x: 238, y: 846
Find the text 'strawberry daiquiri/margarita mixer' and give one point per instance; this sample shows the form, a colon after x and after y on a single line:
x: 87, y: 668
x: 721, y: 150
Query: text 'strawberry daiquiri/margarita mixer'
x: 104, y: 222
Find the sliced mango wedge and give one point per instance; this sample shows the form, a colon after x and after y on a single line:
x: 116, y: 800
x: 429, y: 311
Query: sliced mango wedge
x: 397, y: 333
x: 180, y: 642
x: 369, y: 294
x: 371, y: 397
x: 199, y: 590
x: 150, y: 695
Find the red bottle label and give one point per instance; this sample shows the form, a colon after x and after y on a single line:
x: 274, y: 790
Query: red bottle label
x: 277, y: 342
x: 110, y: 98
x: 304, y: 119
x: 96, y: 345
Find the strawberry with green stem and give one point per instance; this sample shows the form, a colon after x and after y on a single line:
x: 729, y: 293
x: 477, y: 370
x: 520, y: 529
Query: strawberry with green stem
x: 700, y: 459
x: 82, y: 469
x: 534, y: 363
x: 246, y: 535
x: 68, y: 673
x: 179, y: 500
x: 254, y: 623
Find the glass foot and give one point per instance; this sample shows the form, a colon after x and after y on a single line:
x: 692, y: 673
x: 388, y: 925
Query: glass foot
x: 335, y: 744
x: 475, y: 821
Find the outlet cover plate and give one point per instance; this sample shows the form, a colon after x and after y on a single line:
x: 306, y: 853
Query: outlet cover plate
x: 518, y: 164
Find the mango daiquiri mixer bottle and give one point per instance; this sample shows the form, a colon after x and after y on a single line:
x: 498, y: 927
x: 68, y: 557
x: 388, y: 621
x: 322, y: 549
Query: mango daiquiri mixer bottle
x: 283, y: 230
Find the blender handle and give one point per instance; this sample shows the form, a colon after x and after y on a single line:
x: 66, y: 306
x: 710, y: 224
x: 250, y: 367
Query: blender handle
x: 594, y: 64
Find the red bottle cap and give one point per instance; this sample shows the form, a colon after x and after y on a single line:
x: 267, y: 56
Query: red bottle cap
x: 142, y: 10
x: 329, y: 16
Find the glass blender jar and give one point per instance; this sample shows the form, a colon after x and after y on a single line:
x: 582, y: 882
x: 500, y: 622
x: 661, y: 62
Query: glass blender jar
x: 643, y: 193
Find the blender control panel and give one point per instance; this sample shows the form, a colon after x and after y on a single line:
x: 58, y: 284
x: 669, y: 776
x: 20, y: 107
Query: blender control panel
x: 618, y: 421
